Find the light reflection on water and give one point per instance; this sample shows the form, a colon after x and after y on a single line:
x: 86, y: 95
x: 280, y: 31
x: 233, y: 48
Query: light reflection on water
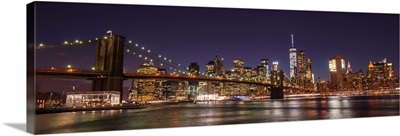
x: 219, y: 113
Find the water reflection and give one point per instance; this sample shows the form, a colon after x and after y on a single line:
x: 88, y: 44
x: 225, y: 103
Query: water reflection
x: 218, y: 113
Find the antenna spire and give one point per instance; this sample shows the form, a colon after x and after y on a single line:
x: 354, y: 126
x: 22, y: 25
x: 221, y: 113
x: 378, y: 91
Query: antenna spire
x: 292, y: 42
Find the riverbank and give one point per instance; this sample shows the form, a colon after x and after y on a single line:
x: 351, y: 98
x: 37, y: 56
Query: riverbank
x: 72, y: 109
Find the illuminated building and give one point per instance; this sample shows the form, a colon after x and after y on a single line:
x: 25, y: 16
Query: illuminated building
x: 301, y: 64
x: 354, y: 81
x: 162, y: 71
x: 146, y: 89
x: 380, y: 70
x: 309, y: 68
x: 219, y: 66
x: 194, y: 69
x: 175, y: 90
x: 336, y: 69
x: 216, y: 67
x: 370, y: 71
x: 390, y: 71
x: 147, y: 69
x: 92, y: 98
x: 238, y: 66
x: 275, y: 65
x: 247, y: 73
x: 293, y: 61
x: 264, y: 71
x: 210, y: 69
x: 304, y: 75
x: 349, y: 70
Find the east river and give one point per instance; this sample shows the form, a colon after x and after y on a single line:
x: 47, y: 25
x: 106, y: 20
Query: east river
x: 219, y: 113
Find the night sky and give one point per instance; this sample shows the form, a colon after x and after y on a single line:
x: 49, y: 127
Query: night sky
x: 197, y: 34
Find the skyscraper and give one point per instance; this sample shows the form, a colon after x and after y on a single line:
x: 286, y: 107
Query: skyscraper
x: 301, y: 63
x: 275, y: 64
x: 238, y: 65
x: 309, y: 69
x: 336, y: 69
x: 264, y: 63
x: 380, y: 70
x: 210, y: 68
x: 194, y: 69
x: 217, y: 66
x: 293, y: 60
x: 145, y: 89
x: 349, y: 70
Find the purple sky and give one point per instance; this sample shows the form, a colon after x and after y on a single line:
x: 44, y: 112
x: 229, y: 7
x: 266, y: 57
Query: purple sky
x: 196, y: 34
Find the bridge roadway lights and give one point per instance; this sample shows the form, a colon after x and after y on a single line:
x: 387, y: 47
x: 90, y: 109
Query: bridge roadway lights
x: 277, y: 93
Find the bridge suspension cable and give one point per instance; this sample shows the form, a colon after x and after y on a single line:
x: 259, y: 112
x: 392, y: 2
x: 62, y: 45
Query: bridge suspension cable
x: 68, y: 43
x: 162, y: 60
x: 290, y: 81
x: 137, y: 50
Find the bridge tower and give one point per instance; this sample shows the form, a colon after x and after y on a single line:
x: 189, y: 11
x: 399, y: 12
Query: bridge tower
x: 277, y: 91
x: 109, y: 59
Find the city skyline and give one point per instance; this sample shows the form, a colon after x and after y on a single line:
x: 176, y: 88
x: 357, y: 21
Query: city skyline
x: 188, y: 35
x: 102, y: 67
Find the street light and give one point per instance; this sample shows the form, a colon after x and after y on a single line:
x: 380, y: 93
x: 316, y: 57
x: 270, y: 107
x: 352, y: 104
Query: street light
x: 69, y: 66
